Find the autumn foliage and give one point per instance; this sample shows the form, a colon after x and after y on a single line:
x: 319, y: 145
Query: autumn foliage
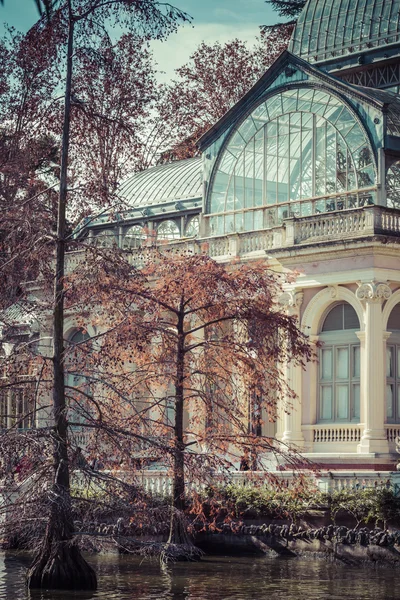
x: 215, y: 78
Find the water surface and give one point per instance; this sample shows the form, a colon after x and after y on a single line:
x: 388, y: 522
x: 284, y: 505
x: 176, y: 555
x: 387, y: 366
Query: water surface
x: 214, y: 578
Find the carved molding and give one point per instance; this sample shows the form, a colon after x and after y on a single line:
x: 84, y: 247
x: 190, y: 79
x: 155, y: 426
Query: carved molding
x: 332, y: 290
x: 291, y: 299
x: 373, y: 291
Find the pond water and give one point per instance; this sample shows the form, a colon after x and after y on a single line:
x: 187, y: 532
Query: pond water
x: 215, y: 578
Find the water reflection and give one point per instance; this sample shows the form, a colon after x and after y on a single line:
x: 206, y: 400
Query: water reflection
x: 214, y: 578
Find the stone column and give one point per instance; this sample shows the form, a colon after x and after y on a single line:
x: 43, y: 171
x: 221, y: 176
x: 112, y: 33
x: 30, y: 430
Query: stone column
x: 290, y: 412
x: 373, y: 374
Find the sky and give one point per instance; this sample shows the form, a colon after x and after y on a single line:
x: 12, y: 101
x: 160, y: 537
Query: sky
x: 213, y: 20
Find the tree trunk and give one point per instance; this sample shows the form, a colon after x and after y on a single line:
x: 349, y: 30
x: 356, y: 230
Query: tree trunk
x: 179, y: 446
x: 179, y: 545
x: 59, y: 564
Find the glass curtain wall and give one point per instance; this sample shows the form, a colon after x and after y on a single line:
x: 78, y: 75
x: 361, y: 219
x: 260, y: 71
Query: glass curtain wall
x: 301, y: 152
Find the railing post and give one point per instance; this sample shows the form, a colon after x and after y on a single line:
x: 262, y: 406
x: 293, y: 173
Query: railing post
x: 289, y: 225
x: 277, y: 239
x: 234, y: 245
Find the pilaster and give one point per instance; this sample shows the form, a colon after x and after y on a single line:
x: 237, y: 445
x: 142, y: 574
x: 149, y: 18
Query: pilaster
x: 373, y: 379
x: 291, y: 411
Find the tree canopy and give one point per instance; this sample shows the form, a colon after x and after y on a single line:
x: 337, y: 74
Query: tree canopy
x: 287, y: 8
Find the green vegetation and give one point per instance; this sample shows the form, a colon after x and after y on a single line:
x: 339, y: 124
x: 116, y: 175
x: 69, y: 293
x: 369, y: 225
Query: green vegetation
x: 372, y: 505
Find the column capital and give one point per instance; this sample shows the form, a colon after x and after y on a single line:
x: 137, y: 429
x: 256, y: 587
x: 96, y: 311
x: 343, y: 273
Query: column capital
x: 373, y: 292
x: 291, y: 300
x: 361, y: 336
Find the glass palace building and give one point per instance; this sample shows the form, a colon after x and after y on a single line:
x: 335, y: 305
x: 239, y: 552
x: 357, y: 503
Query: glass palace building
x: 304, y: 173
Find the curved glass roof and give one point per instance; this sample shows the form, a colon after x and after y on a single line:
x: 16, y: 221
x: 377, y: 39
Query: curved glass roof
x: 300, y: 152
x: 329, y: 28
x: 165, y: 183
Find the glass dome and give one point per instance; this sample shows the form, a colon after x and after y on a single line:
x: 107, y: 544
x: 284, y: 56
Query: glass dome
x: 165, y: 183
x: 329, y: 28
x: 301, y: 152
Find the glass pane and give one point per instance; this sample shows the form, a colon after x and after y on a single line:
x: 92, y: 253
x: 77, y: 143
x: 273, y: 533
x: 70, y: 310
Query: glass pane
x: 168, y: 230
x: 398, y: 362
x: 229, y: 224
x: 350, y: 317
x: 320, y: 157
x: 239, y: 222
x: 389, y: 401
x: 239, y: 183
x: 356, y: 402
x: 249, y: 175
x: 394, y: 319
x: 134, y: 237
x: 258, y: 219
x: 236, y: 145
x: 342, y: 401
x: 355, y: 138
x: 389, y: 361
x: 342, y: 363
x: 248, y: 129
x: 326, y: 363
x: 334, y: 319
x: 398, y: 403
x: 192, y: 228
x: 227, y: 163
x: 356, y: 362
x: 248, y: 221
x: 326, y: 402
x: 330, y: 160
x: 307, y: 156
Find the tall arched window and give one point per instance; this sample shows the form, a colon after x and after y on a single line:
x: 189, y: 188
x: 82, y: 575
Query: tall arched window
x: 299, y: 153
x: 135, y: 237
x: 393, y: 367
x: 193, y: 227
x: 339, y: 366
x: 393, y: 185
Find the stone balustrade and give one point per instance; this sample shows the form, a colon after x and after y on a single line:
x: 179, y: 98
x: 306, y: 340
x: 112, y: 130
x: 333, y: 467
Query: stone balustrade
x: 345, y: 432
x: 392, y: 432
x: 339, y: 225
x: 345, y: 224
x: 159, y: 483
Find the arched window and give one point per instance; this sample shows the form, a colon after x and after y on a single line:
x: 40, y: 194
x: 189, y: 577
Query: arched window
x: 168, y: 230
x: 301, y: 152
x: 134, y: 237
x: 393, y: 185
x: 339, y: 366
x: 105, y: 239
x: 393, y: 367
x: 192, y: 227
x: 17, y: 392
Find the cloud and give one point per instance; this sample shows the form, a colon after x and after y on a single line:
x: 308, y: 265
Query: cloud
x: 178, y: 47
x: 227, y: 15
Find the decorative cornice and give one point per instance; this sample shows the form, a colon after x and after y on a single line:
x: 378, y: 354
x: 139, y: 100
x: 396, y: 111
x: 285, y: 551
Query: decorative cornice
x: 373, y: 291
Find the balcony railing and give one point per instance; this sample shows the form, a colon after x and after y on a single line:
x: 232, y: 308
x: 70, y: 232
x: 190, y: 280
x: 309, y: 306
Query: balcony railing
x: 327, y: 227
x: 336, y: 433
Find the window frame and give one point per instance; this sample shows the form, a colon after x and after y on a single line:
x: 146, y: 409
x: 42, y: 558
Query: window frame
x: 393, y: 380
x: 336, y: 341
